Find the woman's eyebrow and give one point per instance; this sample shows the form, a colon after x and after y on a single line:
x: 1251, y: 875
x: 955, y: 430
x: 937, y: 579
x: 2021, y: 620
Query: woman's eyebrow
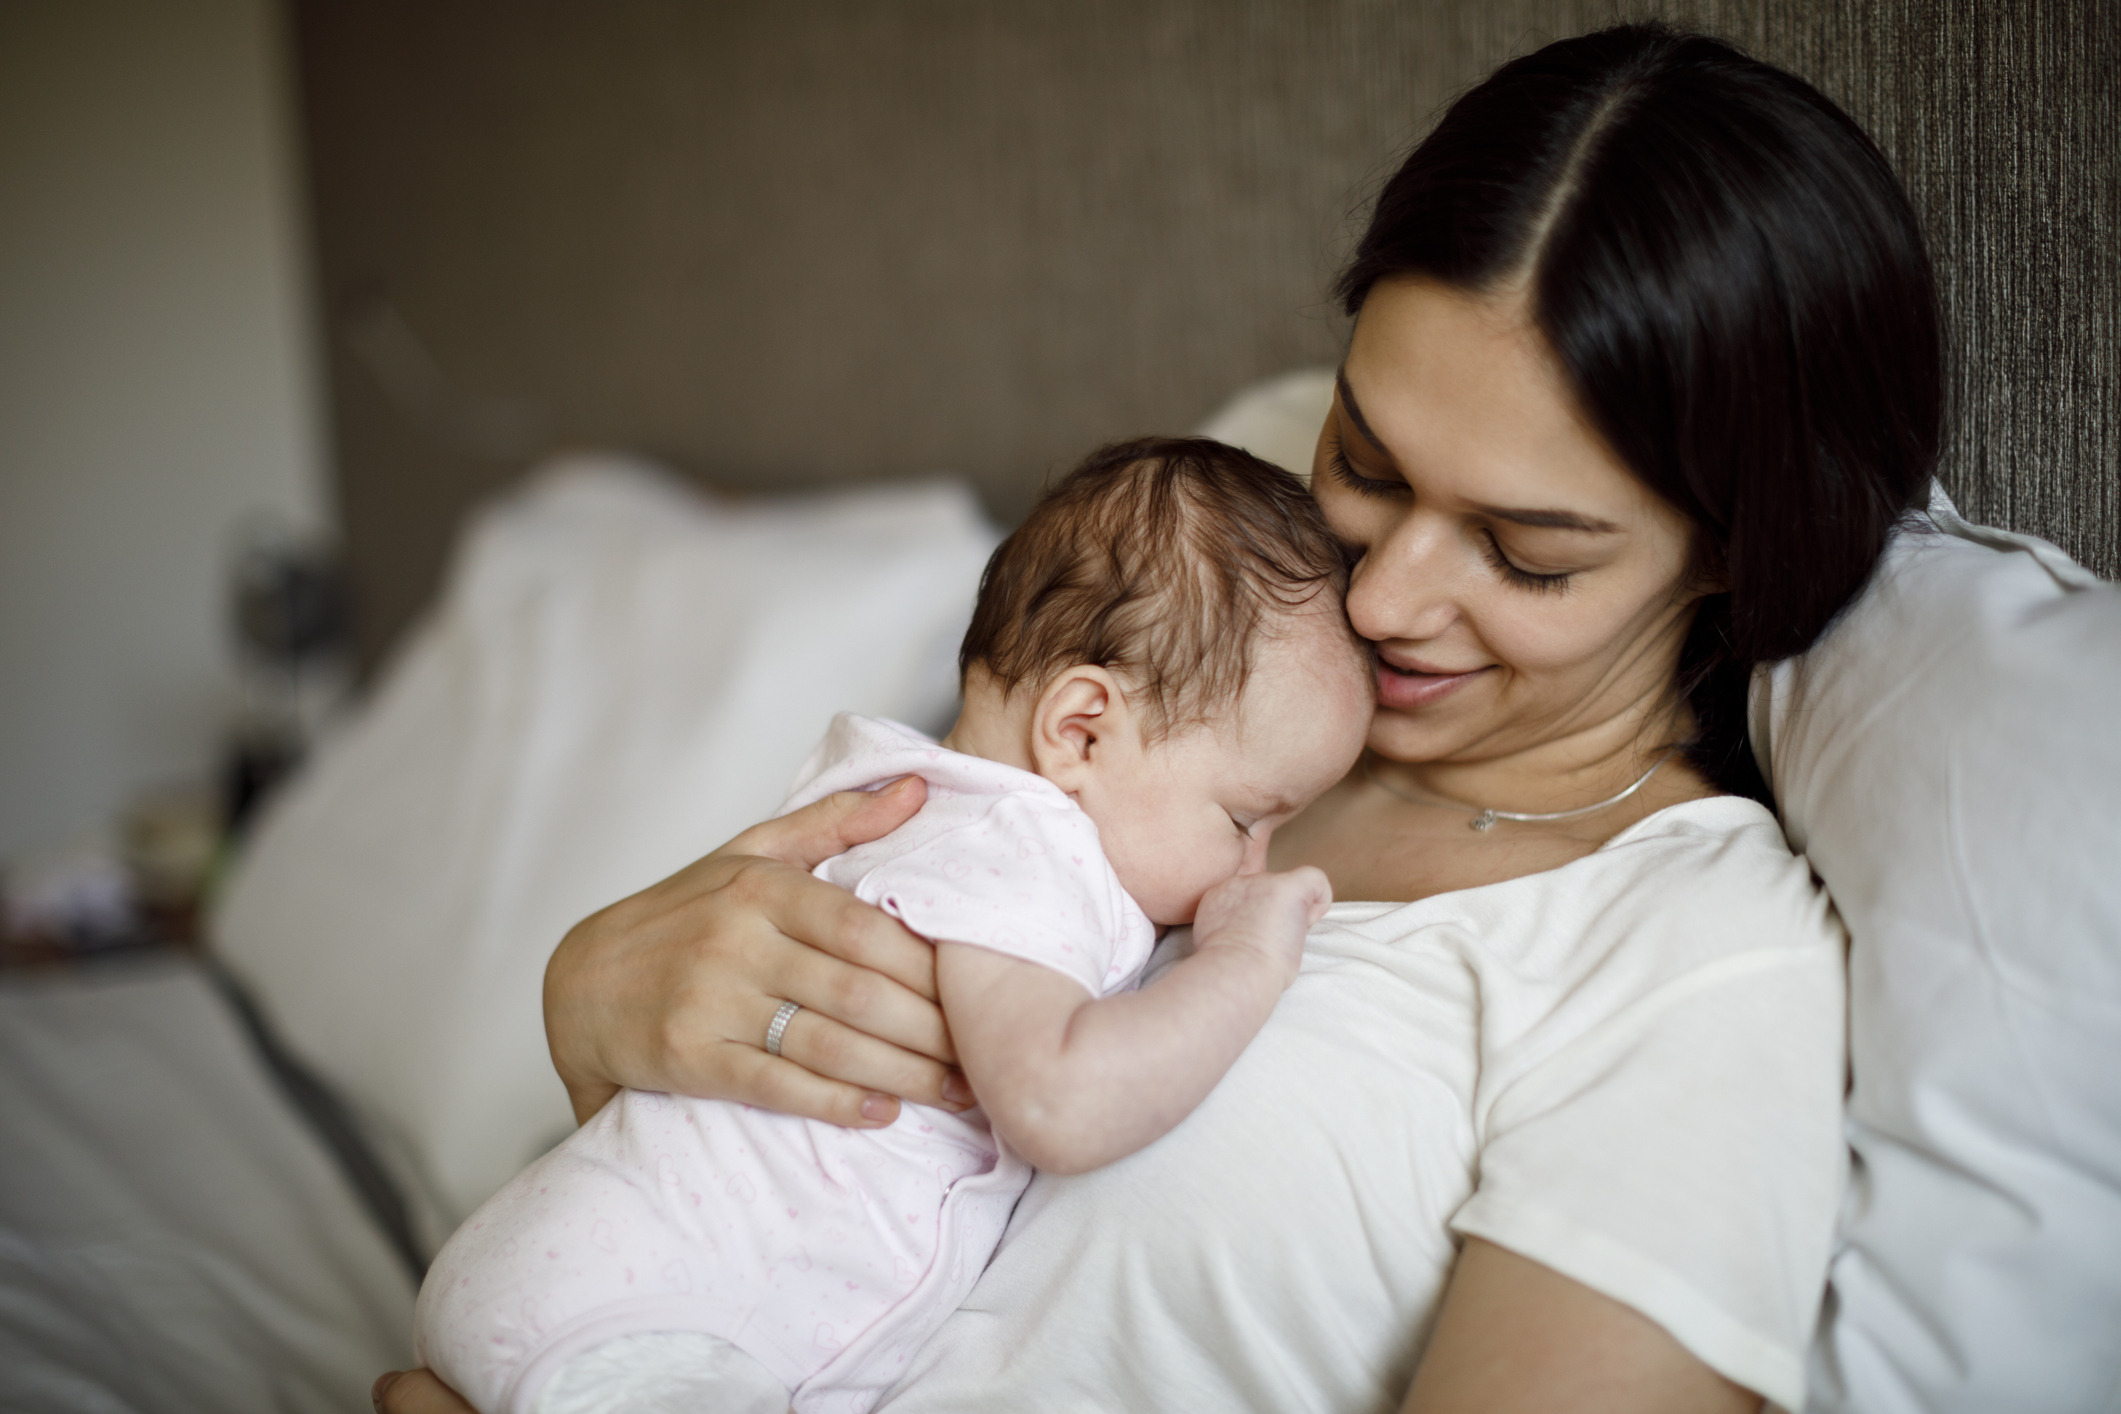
x: 1354, y: 409
x: 1539, y: 520
x: 1551, y: 520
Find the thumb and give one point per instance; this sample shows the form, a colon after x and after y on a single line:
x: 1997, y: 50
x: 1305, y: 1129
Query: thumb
x: 834, y: 825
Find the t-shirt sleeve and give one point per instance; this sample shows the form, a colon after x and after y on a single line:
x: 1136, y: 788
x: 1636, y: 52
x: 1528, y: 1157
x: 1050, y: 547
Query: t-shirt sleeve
x: 1027, y: 878
x: 1684, y: 1155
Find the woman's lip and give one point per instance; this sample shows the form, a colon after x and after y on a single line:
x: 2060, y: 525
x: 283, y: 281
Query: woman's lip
x: 1404, y: 664
x: 1404, y: 689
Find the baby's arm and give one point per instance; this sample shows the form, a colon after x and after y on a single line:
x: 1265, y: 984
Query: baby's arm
x: 1073, y: 1082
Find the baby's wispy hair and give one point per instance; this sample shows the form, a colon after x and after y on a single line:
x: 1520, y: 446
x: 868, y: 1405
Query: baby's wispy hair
x: 1160, y: 560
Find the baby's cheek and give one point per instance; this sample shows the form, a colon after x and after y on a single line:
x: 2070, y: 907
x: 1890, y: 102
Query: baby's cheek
x: 1215, y: 861
x: 1200, y: 870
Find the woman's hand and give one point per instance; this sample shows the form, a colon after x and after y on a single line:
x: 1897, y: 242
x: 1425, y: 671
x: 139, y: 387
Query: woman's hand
x: 673, y: 988
x: 415, y: 1392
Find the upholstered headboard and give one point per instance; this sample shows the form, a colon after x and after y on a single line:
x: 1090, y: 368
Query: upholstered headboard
x: 796, y: 242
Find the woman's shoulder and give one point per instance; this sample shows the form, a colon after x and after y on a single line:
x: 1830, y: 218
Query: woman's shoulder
x: 1714, y: 846
x: 1707, y: 817
x: 1719, y: 870
x: 1697, y: 883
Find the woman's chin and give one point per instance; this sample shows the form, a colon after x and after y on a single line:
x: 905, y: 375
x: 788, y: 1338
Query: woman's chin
x: 1409, y: 736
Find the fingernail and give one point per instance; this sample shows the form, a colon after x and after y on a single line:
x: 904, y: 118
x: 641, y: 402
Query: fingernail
x: 876, y: 1107
x: 898, y: 785
x: 381, y: 1387
x: 957, y: 1090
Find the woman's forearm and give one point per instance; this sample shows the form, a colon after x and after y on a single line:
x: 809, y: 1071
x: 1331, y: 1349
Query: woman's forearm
x: 1517, y: 1337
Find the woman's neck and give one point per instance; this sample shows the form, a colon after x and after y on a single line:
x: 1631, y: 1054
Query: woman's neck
x: 1397, y: 831
x: 1590, y: 762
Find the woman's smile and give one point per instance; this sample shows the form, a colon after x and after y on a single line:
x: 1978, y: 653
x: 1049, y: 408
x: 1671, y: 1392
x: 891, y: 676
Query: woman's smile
x: 1407, y: 684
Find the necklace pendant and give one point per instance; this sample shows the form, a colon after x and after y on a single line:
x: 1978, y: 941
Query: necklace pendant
x: 1485, y: 820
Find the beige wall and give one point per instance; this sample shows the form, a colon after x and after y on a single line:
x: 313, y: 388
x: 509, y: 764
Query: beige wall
x: 822, y: 239
x: 155, y: 383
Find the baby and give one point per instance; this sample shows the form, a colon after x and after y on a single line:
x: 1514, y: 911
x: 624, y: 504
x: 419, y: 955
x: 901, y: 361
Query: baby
x: 1158, y: 673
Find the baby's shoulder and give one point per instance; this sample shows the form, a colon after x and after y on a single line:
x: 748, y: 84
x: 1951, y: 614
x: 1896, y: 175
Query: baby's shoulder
x: 1024, y: 828
x: 1020, y: 874
x: 970, y: 837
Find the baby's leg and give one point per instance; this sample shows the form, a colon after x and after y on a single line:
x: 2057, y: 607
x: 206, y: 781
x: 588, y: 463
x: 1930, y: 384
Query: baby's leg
x: 663, y: 1372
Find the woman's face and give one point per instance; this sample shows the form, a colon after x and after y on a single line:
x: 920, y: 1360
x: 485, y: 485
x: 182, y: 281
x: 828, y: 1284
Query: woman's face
x: 1519, y: 583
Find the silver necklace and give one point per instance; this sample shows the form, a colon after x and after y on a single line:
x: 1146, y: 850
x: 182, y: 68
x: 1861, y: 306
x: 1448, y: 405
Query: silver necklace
x: 1485, y: 819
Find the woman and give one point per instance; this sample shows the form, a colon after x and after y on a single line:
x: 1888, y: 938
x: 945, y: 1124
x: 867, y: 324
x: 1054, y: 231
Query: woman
x: 1646, y: 363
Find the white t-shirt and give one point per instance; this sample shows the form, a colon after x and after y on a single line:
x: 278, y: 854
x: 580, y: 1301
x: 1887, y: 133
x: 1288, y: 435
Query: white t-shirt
x: 1629, y: 1069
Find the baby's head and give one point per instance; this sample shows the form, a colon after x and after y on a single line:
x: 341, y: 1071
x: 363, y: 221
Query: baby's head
x: 1164, y: 639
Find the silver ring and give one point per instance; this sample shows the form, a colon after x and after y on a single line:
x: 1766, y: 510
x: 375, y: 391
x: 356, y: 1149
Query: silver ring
x: 779, y: 1027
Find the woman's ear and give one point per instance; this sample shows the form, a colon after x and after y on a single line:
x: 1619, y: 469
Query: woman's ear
x: 1079, y: 717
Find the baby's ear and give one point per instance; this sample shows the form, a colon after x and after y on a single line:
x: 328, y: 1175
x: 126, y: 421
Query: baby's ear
x: 1074, y: 723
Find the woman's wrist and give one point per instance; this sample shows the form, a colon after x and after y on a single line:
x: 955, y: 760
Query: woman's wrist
x: 586, y: 1091
x: 675, y: 988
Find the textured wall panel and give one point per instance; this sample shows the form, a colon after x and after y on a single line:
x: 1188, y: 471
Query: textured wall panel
x: 825, y: 239
x: 2004, y: 120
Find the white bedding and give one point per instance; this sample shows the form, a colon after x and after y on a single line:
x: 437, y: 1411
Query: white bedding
x: 172, y: 1236
x: 621, y: 673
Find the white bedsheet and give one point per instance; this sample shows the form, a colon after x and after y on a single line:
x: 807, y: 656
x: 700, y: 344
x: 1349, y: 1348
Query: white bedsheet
x: 172, y: 1237
x: 621, y: 673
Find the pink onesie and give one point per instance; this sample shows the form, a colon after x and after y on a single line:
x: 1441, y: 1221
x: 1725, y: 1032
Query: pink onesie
x: 828, y: 1254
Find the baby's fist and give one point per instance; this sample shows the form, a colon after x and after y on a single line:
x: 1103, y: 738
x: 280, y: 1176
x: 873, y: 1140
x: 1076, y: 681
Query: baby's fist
x: 1266, y: 913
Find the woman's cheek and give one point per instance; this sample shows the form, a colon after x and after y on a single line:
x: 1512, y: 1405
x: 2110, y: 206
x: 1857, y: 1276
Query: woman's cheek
x: 1540, y: 637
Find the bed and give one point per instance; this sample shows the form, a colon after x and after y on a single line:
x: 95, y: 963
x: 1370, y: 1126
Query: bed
x: 223, y: 1173
x: 181, y: 1231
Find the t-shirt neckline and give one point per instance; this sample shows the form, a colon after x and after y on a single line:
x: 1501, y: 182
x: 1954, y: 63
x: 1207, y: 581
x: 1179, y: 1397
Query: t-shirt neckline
x: 1369, y: 911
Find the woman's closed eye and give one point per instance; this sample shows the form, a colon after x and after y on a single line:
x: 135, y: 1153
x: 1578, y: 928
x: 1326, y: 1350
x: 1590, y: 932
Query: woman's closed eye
x: 1345, y: 473
x: 1518, y: 575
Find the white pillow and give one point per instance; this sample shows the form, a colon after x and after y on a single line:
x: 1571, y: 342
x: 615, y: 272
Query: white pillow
x: 1277, y: 420
x: 1949, y: 757
x: 621, y: 675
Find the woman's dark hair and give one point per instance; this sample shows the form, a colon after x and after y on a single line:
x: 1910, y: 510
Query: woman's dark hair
x: 1737, y: 287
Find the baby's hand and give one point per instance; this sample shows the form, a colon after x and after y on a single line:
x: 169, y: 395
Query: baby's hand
x: 1265, y: 913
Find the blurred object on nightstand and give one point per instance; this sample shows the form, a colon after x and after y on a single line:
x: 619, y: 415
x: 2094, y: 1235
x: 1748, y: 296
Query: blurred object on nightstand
x: 140, y: 884
x: 170, y: 840
x: 293, y: 639
x: 66, y: 899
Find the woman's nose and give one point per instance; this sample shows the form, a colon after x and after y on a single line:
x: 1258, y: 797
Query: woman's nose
x: 1403, y: 586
